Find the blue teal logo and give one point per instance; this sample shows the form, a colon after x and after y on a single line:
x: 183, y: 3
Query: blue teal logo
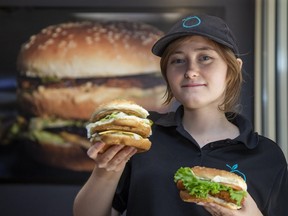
x: 234, y: 169
x: 191, y: 22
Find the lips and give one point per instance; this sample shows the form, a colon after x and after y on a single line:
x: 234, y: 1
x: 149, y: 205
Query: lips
x: 190, y: 85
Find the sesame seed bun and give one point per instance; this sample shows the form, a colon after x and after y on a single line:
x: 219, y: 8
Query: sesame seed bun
x: 126, y: 106
x: 89, y: 49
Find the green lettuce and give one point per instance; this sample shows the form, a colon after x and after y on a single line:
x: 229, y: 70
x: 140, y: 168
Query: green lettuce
x: 201, y: 188
x: 110, y: 116
x: 114, y: 114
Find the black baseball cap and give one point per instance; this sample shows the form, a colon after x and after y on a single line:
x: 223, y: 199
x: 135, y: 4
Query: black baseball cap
x: 211, y: 27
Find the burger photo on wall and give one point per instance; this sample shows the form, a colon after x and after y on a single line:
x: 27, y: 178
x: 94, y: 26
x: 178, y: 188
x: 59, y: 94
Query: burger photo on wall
x: 67, y: 70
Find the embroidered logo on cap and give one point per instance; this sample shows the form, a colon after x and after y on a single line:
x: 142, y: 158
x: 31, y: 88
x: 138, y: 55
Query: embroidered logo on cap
x: 191, y: 22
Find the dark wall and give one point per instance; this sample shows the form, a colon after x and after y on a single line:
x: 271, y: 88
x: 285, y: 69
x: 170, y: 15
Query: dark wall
x: 37, y: 199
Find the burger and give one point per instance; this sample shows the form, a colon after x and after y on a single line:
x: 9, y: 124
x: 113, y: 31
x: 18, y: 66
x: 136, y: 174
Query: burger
x: 68, y: 69
x: 120, y: 122
x: 203, y: 184
x: 81, y: 65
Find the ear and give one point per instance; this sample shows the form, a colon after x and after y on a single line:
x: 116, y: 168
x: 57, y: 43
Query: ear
x: 240, y: 62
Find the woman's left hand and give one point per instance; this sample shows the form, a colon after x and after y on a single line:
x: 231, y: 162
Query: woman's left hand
x: 249, y: 208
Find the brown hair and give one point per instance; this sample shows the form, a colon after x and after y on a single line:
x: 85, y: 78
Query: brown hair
x: 234, y: 77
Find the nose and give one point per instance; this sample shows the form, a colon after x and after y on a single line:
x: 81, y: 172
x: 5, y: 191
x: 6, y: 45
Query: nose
x: 192, y: 71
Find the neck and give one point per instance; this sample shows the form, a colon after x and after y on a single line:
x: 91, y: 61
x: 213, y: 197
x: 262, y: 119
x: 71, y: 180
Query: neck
x: 206, y: 126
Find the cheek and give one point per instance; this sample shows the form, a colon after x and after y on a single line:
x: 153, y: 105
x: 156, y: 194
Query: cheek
x: 170, y: 76
x: 221, y: 77
x: 172, y: 79
x: 221, y: 80
x: 173, y: 74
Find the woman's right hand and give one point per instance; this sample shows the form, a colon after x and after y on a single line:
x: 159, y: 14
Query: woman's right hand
x: 249, y: 208
x: 113, y: 159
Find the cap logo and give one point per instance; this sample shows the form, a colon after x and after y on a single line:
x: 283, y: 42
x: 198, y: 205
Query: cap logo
x: 191, y: 22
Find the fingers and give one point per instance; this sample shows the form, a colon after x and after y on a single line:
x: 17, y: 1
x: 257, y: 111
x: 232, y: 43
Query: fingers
x: 95, y: 149
x: 218, y: 210
x: 249, y: 208
x: 113, y: 159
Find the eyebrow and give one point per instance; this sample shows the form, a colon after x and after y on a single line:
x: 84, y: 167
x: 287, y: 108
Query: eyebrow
x: 204, y: 48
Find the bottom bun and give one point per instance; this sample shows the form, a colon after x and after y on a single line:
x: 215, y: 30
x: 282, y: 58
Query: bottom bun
x: 142, y: 145
x: 71, y: 157
x: 80, y: 101
x: 185, y: 196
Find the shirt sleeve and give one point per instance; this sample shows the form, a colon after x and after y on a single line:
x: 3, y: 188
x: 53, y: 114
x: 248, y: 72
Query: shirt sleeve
x: 277, y: 205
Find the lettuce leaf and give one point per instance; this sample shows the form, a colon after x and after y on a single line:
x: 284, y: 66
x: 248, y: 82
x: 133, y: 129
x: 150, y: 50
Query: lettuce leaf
x: 110, y: 116
x: 201, y: 187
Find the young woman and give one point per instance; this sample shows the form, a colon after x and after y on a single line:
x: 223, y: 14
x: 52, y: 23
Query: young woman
x: 201, y: 65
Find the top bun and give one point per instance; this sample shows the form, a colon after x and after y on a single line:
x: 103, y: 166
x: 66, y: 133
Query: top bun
x: 90, y: 49
x: 126, y: 106
x: 220, y: 176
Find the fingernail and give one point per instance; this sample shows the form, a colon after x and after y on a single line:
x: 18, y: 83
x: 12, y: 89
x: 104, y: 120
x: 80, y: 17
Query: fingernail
x: 90, y: 151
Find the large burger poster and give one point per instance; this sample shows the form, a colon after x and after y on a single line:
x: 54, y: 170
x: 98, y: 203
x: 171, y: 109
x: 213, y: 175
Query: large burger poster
x: 68, y: 69
x: 67, y: 63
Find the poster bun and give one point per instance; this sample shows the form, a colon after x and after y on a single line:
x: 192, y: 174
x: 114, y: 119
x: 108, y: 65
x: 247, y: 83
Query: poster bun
x: 90, y: 49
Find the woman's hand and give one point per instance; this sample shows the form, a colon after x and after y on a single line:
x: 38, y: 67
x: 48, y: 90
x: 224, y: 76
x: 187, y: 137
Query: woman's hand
x: 113, y: 159
x: 249, y: 208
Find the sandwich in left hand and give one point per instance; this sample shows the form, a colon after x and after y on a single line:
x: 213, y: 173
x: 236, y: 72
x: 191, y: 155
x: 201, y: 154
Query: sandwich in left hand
x: 204, y: 184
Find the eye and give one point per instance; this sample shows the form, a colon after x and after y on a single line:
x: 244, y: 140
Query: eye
x: 205, y: 58
x: 177, y: 60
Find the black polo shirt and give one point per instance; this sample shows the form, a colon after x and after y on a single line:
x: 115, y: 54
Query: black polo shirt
x: 147, y: 187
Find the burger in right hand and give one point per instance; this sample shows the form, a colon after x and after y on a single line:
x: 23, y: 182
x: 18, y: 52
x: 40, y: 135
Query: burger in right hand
x: 203, y: 184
